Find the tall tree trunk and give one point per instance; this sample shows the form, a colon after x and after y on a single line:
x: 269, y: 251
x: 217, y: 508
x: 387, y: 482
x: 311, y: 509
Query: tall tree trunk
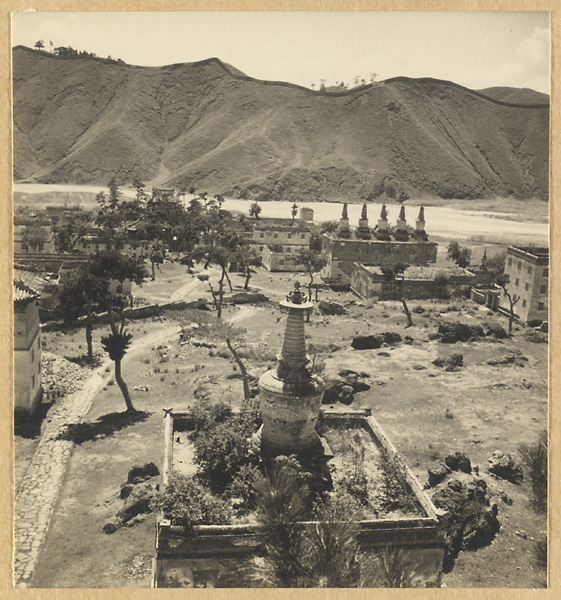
x: 242, y: 368
x: 247, y: 278
x: 89, y: 329
x: 123, y: 386
x: 220, y: 294
x: 214, y: 299
x: 153, y: 272
x: 228, y: 280
x: 406, y: 311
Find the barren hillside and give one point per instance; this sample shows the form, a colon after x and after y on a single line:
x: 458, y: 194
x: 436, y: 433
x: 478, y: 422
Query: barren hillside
x: 205, y: 125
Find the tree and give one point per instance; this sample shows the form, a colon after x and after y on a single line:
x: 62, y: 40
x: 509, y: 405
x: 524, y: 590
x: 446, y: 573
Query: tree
x: 140, y: 195
x: 34, y: 236
x: 39, y: 44
x: 294, y: 211
x: 513, y: 299
x: 461, y: 256
x: 255, y: 210
x: 69, y: 234
x: 245, y: 259
x: 116, y: 345
x: 156, y: 257
x: 314, y: 262
x: 395, y: 273
x: 86, y: 291
x: 496, y: 264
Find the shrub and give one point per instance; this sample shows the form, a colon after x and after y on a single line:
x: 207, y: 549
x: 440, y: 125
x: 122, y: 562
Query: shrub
x: 206, y: 415
x: 242, y: 486
x: 534, y: 458
x: 186, y: 503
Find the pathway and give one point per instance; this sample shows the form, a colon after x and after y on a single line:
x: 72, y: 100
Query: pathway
x: 40, y: 487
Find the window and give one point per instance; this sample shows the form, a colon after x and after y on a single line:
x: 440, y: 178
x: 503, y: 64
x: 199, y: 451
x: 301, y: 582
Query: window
x: 523, y: 303
x: 510, y: 262
x: 289, y: 236
x: 517, y: 282
x: 288, y: 248
x: 543, y: 289
x: 32, y: 381
x: 546, y: 272
x: 281, y: 261
x: 32, y: 355
x: 529, y: 270
x: 527, y: 287
x: 261, y: 235
x: 303, y: 236
x: 276, y: 235
x: 540, y: 305
x: 519, y: 265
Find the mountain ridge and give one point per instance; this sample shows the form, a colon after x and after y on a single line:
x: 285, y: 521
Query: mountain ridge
x: 81, y: 120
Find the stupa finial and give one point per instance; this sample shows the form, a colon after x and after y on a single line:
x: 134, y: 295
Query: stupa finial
x: 402, y: 213
x: 384, y: 213
x: 345, y: 214
x: 364, y: 213
x: 296, y: 296
x: 421, y: 216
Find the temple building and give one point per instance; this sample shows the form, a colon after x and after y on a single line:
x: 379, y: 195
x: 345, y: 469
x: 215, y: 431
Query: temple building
x: 382, y: 245
x: 279, y: 241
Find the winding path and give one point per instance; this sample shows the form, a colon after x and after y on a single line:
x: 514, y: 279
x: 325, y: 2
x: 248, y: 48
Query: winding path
x: 40, y: 487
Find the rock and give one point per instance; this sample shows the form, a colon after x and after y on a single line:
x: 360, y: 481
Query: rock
x: 367, y: 342
x: 110, y: 528
x: 451, y: 363
x: 146, y: 471
x: 450, y: 333
x: 391, y: 337
x: 246, y: 298
x: 138, y: 502
x: 126, y: 490
x: 496, y: 330
x: 437, y: 473
x: 202, y: 344
x: 338, y: 390
x: 503, y: 466
x: 505, y: 360
x: 458, y: 462
x: 331, y: 308
x: 469, y: 521
x: 408, y: 340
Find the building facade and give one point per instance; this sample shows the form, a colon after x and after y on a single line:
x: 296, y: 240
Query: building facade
x: 27, y: 350
x: 416, y: 283
x: 527, y: 270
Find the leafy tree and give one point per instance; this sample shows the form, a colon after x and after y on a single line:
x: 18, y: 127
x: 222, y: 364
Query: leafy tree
x: 156, y: 257
x: 86, y: 291
x: 39, y: 44
x: 314, y: 262
x: 69, y: 234
x: 255, y: 210
x: 139, y: 186
x: 245, y: 259
x: 34, y: 236
x: 496, y: 264
x: 461, y: 256
x: 395, y: 273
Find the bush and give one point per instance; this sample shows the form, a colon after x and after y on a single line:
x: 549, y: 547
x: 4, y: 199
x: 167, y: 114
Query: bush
x: 450, y: 333
x: 242, y: 486
x: 206, y: 415
x: 534, y: 459
x: 186, y: 503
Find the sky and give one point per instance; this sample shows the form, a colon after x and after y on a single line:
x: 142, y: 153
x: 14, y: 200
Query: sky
x: 476, y: 49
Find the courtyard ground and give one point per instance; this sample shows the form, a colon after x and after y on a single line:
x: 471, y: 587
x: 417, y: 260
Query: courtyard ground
x: 427, y: 412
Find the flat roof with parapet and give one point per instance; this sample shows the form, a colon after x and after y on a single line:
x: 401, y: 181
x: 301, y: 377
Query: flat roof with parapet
x: 539, y: 254
x: 423, y: 273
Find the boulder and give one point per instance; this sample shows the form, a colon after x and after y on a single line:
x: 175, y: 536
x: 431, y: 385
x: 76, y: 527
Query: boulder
x: 469, y: 520
x: 338, y: 390
x: 138, y: 502
x: 146, y: 471
x: 391, y: 337
x: 505, y: 467
x: 246, y: 298
x: 453, y: 332
x: 331, y: 308
x: 437, y: 473
x: 367, y: 342
x: 110, y: 528
x: 458, y: 462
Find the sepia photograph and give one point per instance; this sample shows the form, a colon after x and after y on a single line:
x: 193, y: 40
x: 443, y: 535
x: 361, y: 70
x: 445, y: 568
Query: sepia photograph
x: 280, y: 299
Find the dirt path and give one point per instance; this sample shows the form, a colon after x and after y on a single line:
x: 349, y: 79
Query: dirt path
x: 40, y: 487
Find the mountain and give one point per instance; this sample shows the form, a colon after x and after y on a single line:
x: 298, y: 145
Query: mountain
x: 516, y: 95
x: 204, y: 125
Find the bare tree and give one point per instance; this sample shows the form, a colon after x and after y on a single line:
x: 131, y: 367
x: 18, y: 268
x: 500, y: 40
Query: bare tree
x: 395, y: 274
x: 512, y: 301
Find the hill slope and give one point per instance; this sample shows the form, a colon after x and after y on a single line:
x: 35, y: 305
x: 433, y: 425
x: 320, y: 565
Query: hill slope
x: 83, y: 120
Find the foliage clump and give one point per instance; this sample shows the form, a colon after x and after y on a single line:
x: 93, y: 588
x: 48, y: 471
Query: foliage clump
x: 534, y: 459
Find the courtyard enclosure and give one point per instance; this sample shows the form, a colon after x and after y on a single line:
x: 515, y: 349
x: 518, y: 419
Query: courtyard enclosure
x: 214, y: 552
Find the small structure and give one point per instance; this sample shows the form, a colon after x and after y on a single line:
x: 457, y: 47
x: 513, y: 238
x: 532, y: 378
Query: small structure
x: 280, y: 241
x: 416, y: 283
x: 290, y: 396
x: 527, y: 269
x: 280, y: 259
x: 363, y: 230
x: 27, y: 349
x: 33, y: 235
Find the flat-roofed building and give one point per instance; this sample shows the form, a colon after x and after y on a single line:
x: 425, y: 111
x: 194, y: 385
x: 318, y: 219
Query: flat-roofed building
x: 527, y: 269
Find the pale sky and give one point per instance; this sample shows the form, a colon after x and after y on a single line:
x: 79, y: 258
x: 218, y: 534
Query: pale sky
x: 475, y: 49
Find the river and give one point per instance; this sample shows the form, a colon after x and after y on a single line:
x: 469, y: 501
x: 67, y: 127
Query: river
x: 484, y: 226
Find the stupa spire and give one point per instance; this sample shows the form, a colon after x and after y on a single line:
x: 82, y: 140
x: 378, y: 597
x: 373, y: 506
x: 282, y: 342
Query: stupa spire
x: 344, y: 229
x: 363, y: 230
